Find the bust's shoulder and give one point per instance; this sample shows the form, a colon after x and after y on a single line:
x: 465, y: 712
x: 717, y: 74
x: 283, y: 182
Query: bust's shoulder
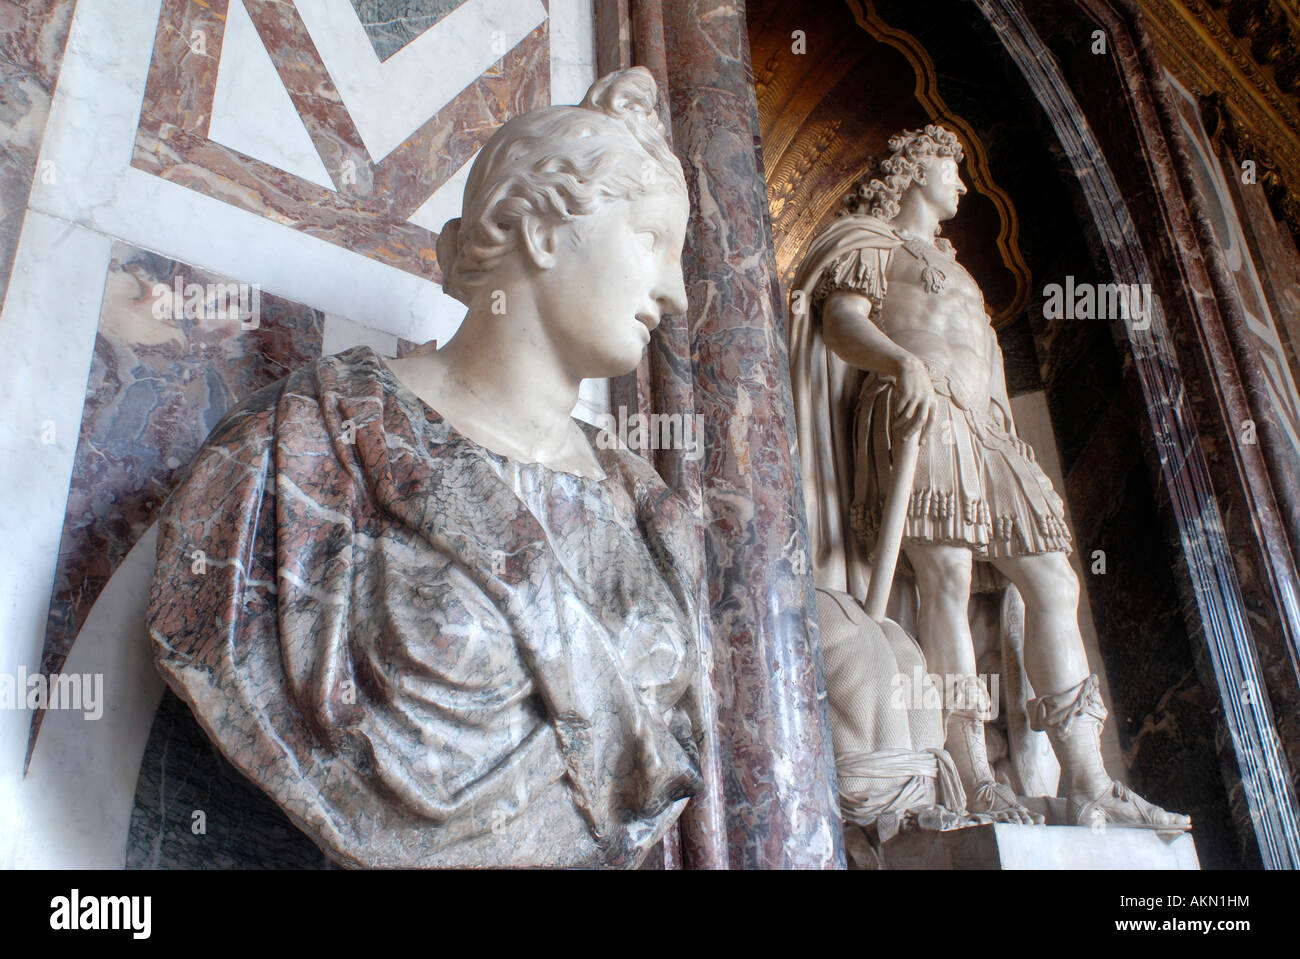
x: 250, y: 422
x: 637, y: 474
x: 615, y: 457
x: 297, y: 399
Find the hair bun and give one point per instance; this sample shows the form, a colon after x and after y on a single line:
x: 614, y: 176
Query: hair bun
x: 629, y: 96
x: 448, y: 250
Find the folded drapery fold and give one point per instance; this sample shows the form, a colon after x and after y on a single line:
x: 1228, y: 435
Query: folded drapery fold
x: 426, y: 653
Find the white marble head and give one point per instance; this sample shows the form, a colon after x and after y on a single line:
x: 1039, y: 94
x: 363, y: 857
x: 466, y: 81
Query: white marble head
x: 918, y: 159
x: 557, y: 164
x: 588, y: 205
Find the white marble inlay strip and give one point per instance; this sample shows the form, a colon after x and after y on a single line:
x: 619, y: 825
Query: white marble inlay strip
x: 251, y: 108
x: 573, y: 49
x: 89, y: 826
x: 391, y: 99
x: 47, y: 337
x: 446, y: 201
x: 338, y: 333
x: 233, y: 242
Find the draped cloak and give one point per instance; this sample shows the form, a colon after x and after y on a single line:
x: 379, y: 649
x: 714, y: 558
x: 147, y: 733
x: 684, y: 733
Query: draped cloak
x: 825, y: 391
x: 426, y: 653
x: 975, y: 485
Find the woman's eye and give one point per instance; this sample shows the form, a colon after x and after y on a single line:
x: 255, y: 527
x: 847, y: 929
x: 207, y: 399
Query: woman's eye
x: 649, y: 238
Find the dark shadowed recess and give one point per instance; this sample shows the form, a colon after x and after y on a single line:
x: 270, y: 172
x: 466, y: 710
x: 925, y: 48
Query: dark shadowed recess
x: 1165, y: 716
x: 183, y: 774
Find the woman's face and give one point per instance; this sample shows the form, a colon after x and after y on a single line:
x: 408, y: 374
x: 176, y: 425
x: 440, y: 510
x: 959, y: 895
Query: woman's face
x: 617, y: 272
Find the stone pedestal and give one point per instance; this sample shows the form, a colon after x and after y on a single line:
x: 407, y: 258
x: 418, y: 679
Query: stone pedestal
x: 1036, y: 847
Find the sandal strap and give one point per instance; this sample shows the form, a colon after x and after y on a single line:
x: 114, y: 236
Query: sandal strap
x: 990, y: 792
x: 1062, y: 709
x: 1080, y: 809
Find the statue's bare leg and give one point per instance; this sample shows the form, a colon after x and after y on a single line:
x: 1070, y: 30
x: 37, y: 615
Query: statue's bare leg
x: 1068, y: 706
x: 943, y: 584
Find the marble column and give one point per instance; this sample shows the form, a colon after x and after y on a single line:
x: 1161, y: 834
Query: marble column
x: 774, y: 735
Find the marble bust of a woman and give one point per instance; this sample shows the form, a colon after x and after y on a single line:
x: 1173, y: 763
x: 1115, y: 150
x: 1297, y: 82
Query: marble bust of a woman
x: 414, y: 600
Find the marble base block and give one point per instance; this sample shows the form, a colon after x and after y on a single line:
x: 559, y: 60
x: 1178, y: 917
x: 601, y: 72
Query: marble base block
x: 1039, y: 847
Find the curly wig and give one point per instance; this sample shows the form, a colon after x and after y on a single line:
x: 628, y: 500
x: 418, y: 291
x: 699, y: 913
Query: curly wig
x: 880, y: 194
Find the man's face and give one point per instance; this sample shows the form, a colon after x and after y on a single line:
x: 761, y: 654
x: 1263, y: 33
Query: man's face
x: 943, y: 187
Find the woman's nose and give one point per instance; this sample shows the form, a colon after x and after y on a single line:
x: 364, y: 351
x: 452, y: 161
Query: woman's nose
x: 671, y: 296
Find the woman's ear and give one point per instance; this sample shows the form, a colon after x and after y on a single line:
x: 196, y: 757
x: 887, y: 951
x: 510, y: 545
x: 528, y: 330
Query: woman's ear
x: 539, y: 240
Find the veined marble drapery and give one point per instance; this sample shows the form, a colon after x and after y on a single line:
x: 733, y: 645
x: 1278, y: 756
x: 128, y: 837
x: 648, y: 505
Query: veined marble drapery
x: 426, y: 653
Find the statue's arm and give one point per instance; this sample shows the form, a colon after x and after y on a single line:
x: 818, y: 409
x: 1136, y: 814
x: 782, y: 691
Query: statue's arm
x: 851, y: 335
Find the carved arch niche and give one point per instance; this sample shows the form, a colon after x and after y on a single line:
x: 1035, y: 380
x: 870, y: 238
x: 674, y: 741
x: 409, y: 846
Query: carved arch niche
x: 833, y: 80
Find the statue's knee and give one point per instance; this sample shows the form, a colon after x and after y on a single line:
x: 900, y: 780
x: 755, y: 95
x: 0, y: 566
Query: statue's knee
x: 943, y: 573
x: 1055, y: 586
x: 1070, y: 587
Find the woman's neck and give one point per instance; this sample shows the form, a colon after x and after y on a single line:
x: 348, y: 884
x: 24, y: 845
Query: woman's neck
x: 499, y: 383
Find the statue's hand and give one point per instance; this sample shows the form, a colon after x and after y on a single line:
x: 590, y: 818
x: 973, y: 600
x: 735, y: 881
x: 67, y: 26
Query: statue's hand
x: 914, y: 406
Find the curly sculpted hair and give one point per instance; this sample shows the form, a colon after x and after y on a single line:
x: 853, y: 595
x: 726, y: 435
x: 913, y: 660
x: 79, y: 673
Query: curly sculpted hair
x: 559, y: 163
x: 880, y: 194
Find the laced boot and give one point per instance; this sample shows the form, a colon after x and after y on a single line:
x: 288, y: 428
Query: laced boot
x: 1073, y: 720
x: 968, y: 707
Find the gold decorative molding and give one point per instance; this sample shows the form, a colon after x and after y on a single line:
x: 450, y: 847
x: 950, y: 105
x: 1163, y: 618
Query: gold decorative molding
x: 775, y: 90
x: 799, y: 235
x: 927, y: 94
x: 790, y: 166
x: 1197, y: 44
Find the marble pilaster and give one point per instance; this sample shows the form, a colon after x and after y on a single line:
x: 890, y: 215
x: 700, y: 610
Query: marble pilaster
x: 779, y: 781
x: 1181, y: 366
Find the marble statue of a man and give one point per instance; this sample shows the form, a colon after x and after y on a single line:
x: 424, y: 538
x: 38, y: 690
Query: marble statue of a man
x: 436, y: 619
x: 891, y: 339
